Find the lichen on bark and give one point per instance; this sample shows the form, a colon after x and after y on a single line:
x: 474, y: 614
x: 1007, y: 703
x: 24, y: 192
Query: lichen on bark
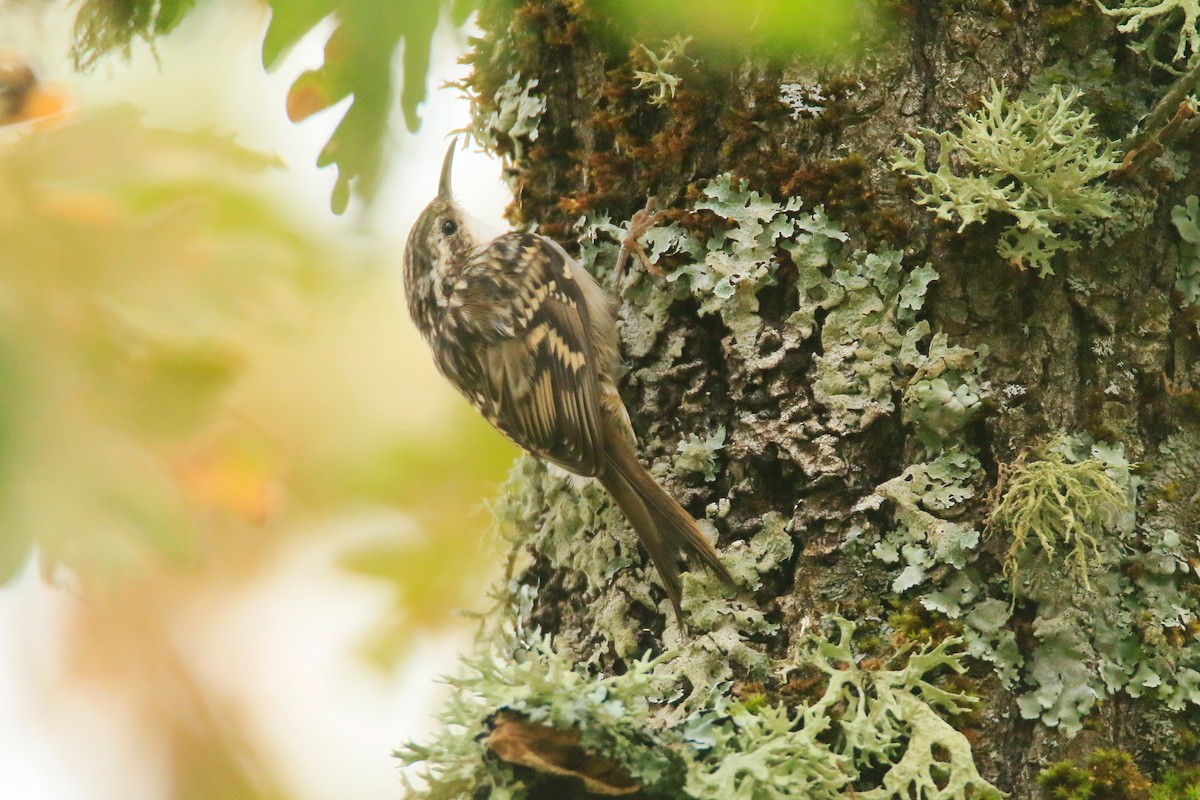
x: 874, y: 373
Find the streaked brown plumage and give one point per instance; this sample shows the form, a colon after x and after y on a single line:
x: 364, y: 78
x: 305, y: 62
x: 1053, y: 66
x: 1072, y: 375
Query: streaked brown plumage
x: 530, y: 338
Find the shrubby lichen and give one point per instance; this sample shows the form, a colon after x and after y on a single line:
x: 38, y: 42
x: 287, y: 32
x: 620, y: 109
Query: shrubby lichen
x: 1035, y: 160
x: 1161, y: 16
x: 1132, y: 628
x: 659, y: 78
x: 873, y: 732
x: 1064, y: 494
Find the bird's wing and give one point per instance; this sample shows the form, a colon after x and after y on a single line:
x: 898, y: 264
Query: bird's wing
x: 536, y: 378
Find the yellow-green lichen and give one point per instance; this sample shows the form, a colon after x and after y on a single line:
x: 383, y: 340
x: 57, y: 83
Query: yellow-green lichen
x: 1063, y: 494
x: 1038, y: 161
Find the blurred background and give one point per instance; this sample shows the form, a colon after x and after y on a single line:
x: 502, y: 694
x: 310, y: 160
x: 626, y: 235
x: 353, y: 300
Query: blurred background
x: 238, y: 507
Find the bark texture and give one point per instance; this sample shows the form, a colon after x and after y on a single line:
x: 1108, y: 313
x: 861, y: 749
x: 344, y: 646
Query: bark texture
x: 1102, y: 351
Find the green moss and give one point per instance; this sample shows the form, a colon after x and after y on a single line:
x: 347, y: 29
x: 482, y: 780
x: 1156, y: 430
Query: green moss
x: 1062, y: 498
x: 1036, y: 161
x: 1103, y: 775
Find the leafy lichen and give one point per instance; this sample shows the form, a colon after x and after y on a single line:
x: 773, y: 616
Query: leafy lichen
x: 1037, y: 161
x: 1187, y: 221
x: 1134, y: 631
x: 699, y: 454
x: 873, y: 732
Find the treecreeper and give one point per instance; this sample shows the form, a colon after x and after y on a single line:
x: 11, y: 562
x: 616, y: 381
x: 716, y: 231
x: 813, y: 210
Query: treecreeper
x: 529, y: 337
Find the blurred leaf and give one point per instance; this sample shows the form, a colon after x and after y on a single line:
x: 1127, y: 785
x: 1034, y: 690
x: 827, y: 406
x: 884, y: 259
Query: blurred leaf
x: 102, y: 26
x: 777, y: 28
x: 445, y: 565
x: 358, y: 64
x: 140, y: 265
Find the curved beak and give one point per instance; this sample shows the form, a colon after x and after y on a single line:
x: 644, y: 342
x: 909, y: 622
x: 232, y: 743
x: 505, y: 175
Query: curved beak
x: 444, y: 191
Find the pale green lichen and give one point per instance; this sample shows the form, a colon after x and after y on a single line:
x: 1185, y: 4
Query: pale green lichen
x: 870, y: 335
x: 874, y: 733
x: 514, y: 119
x: 1038, y: 161
x: 923, y: 541
x: 1133, y: 632
x: 659, y: 77
x: 945, y: 393
x: 1187, y: 277
x: 725, y: 271
x: 1063, y: 494
x: 1161, y: 16
x: 697, y: 454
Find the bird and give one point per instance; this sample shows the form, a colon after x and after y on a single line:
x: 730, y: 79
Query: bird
x: 522, y: 330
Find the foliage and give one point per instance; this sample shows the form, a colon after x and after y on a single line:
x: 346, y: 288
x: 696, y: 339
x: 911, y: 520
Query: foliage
x: 102, y: 26
x: 1062, y: 498
x: 358, y: 65
x: 877, y: 733
x: 1187, y: 221
x: 782, y: 30
x: 1034, y: 160
x: 126, y: 327
x: 1159, y: 15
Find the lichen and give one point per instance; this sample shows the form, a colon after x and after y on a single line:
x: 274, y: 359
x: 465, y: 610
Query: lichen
x: 803, y: 100
x: 1064, y: 494
x: 1135, y: 631
x: 872, y: 731
x: 1159, y: 14
x: 659, y: 78
x: 870, y: 335
x: 1187, y: 221
x: 507, y: 122
x: 1037, y: 161
x: 923, y: 541
x: 697, y: 454
x: 751, y: 238
x: 945, y: 393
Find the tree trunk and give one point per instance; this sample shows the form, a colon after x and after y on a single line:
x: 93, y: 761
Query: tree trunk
x: 920, y: 434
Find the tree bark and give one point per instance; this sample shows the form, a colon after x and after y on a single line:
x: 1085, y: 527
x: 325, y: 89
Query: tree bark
x: 1102, y: 351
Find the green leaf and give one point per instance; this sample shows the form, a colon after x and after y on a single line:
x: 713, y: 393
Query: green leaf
x: 359, y: 64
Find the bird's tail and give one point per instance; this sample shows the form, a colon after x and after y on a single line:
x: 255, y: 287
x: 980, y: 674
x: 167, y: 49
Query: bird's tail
x: 663, y: 527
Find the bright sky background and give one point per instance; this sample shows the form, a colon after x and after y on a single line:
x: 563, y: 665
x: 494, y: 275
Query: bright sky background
x: 284, y: 646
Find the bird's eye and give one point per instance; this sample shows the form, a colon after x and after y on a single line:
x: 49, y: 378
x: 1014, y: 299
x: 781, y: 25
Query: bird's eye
x: 449, y: 227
